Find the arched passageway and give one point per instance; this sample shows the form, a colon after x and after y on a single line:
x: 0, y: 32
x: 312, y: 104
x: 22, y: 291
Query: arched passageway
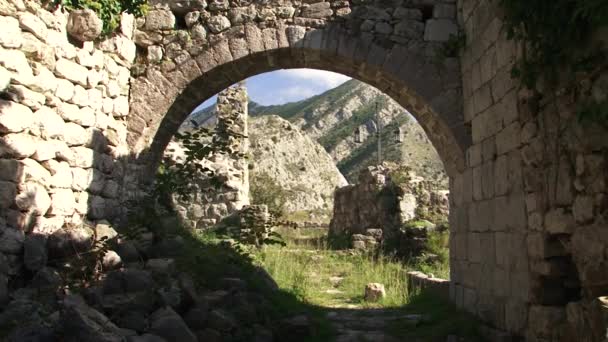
x: 409, y: 73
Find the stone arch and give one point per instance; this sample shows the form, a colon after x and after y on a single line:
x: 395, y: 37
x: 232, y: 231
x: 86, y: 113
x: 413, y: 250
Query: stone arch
x: 407, y: 73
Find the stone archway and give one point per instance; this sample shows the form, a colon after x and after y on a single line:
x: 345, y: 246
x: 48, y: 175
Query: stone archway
x: 403, y: 66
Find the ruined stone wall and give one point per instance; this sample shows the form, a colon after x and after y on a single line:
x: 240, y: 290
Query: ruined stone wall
x: 63, y: 122
x: 528, y: 236
x: 210, y: 203
x: 377, y: 202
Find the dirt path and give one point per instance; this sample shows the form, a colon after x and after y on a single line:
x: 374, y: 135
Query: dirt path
x: 371, y: 325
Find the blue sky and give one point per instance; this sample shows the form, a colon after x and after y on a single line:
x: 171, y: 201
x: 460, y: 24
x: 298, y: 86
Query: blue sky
x: 281, y: 86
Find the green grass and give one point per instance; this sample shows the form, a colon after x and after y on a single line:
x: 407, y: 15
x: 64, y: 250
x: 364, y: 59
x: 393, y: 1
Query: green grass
x: 303, y: 271
x: 305, y: 268
x: 307, y: 273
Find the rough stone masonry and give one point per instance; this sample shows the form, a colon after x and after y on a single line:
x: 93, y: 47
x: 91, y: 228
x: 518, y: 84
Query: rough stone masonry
x: 209, y: 204
x: 83, y: 126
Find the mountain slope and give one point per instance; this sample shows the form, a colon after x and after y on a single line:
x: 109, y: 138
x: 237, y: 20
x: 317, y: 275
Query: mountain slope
x: 333, y: 117
x: 294, y: 161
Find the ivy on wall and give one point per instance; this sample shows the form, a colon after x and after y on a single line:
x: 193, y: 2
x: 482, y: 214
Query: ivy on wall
x: 109, y: 10
x: 556, y: 37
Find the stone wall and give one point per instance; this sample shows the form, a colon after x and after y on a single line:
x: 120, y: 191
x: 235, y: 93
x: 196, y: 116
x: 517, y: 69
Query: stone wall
x: 379, y: 202
x: 63, y: 122
x: 210, y: 203
x: 527, y: 215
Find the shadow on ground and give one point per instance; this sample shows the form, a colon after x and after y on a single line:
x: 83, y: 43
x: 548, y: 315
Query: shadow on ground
x: 211, y: 262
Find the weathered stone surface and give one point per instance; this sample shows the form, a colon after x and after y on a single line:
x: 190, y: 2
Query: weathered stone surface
x: 71, y: 71
x: 31, y: 23
x: 317, y: 10
x: 104, y: 231
x: 83, y: 323
x: 8, y: 190
x: 374, y: 292
x: 160, y: 19
x: 35, y: 252
x: 440, y: 30
x: 11, y: 241
x: 33, y: 198
x: 74, y: 134
x: 84, y: 25
x: 67, y: 242
x: 111, y: 260
x: 14, y: 117
x: 5, y: 78
x: 169, y: 325
x: 12, y: 34
x: 218, y: 23
x: 82, y: 157
x: 63, y: 202
x: 127, y: 281
x: 127, y: 24
x: 161, y: 266
x: 155, y: 54
x: 559, y: 222
x: 18, y: 145
x: 82, y: 116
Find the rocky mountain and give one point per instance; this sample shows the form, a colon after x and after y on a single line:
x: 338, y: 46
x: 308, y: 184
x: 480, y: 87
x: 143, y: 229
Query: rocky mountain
x: 290, y: 159
x: 333, y: 117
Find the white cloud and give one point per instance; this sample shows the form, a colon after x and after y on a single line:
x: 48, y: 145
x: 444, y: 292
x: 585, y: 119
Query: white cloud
x: 325, y: 79
x: 295, y: 93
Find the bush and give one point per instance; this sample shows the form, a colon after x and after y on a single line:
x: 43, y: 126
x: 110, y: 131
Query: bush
x: 109, y: 10
x: 264, y: 190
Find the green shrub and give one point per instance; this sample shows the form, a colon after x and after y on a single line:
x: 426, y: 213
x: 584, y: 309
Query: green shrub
x: 264, y: 190
x: 109, y: 10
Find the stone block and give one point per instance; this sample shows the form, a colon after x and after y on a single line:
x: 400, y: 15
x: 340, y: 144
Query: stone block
x: 84, y: 25
x: 520, y: 285
x: 477, y: 184
x: 409, y: 29
x: 474, y: 156
x: 583, y: 209
x: 317, y: 10
x: 160, y: 19
x: 31, y: 23
x: 8, y: 191
x: 501, y: 181
x: 516, y: 316
x: 487, y: 180
x: 18, y: 145
x: 474, y: 247
x: 34, y: 198
x: 487, y: 250
x: 14, y: 117
x: 502, y: 284
x: 71, y: 71
x: 502, y: 248
x: 541, y: 246
x: 444, y: 11
x: 544, y: 320
x: 558, y: 221
x: 508, y: 139
x: 470, y: 300
x: 440, y: 30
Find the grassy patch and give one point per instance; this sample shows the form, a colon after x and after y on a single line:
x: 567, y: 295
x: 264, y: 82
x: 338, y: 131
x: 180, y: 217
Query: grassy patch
x: 305, y: 271
x: 208, y: 259
x: 334, y: 278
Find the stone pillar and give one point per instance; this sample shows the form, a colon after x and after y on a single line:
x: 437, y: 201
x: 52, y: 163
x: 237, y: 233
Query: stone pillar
x: 209, y: 204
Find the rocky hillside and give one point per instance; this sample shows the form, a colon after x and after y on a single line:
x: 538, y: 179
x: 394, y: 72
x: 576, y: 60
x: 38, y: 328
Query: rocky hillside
x: 283, y: 154
x: 333, y: 117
